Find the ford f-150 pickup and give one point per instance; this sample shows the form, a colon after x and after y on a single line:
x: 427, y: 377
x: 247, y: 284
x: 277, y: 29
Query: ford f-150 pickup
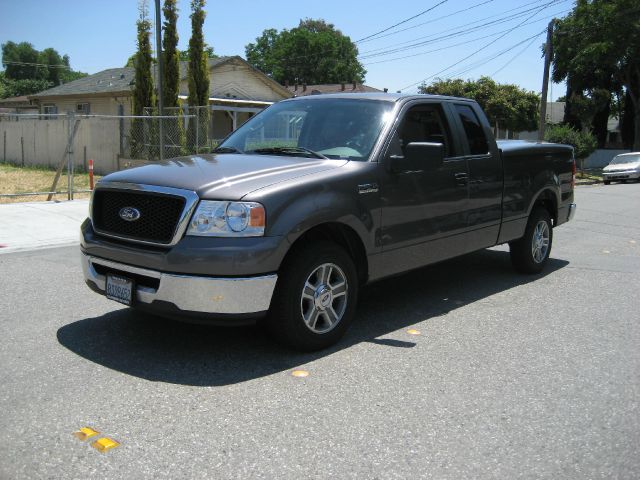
x: 313, y: 198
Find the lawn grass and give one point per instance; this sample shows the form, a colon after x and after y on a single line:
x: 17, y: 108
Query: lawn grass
x: 589, y: 175
x: 15, y: 179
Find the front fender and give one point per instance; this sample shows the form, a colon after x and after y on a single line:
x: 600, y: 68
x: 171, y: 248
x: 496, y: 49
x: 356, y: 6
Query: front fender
x: 320, y: 206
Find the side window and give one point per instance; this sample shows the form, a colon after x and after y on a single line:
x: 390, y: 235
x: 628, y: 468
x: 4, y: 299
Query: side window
x: 476, y: 138
x: 424, y: 123
x: 49, y: 109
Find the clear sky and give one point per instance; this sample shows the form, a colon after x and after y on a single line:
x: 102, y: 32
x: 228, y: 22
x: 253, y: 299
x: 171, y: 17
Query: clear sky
x: 496, y: 38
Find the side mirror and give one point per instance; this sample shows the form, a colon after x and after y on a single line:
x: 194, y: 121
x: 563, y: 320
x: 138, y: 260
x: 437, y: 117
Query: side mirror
x: 418, y: 156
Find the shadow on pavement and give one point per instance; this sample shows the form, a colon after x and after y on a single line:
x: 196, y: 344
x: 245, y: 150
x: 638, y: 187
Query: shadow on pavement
x: 174, y: 352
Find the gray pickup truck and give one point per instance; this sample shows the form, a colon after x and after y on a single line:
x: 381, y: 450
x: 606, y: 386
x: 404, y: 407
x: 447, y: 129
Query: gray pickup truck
x: 315, y: 197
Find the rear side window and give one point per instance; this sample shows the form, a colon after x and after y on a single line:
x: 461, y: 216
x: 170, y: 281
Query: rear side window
x: 476, y: 138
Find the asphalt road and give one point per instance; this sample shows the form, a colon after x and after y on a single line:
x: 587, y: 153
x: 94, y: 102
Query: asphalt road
x: 511, y: 376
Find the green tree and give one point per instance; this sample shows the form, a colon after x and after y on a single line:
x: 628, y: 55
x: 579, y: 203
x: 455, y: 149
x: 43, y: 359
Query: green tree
x: 507, y: 106
x: 208, y: 52
x: 54, y: 65
x: 30, y: 71
x: 597, y: 46
x: 15, y: 88
x: 21, y: 61
x: 198, y: 77
x: 143, y: 86
x: 173, y: 132
x: 312, y: 52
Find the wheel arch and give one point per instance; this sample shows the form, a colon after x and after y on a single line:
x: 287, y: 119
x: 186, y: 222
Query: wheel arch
x: 341, y: 234
x: 548, y: 199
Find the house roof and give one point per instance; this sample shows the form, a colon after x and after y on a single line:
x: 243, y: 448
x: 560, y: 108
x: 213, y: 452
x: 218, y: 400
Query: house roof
x: 121, y: 80
x: 112, y: 80
x: 15, y: 101
x: 303, y: 90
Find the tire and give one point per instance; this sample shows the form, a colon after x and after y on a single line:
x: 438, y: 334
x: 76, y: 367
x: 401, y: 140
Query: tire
x: 606, y: 182
x: 315, y: 298
x: 531, y: 253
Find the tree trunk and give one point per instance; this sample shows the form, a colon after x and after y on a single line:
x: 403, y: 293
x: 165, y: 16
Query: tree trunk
x: 627, y: 122
x: 600, y: 124
x: 570, y: 117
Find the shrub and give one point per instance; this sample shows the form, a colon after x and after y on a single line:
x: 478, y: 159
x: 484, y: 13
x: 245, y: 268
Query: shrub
x: 583, y: 143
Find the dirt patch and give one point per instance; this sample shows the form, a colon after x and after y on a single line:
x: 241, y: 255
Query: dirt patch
x: 15, y: 179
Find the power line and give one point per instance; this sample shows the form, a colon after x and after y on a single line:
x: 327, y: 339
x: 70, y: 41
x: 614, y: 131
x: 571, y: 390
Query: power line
x: 535, y: 2
x: 480, y: 49
x: 403, y: 21
x: 462, y: 30
x: 449, y: 46
x: 9, y: 62
x: 492, y: 57
x: 516, y: 55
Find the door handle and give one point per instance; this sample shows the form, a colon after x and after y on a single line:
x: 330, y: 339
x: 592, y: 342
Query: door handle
x: 461, y: 178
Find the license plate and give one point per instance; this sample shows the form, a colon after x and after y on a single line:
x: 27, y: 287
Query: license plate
x: 119, y: 289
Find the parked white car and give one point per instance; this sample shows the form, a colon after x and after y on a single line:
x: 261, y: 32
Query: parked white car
x: 623, y: 167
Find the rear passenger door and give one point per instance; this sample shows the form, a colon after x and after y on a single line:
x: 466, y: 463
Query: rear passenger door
x: 485, y: 175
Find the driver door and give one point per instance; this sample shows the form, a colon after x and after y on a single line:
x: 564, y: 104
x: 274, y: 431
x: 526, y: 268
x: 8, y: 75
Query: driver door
x: 424, y: 212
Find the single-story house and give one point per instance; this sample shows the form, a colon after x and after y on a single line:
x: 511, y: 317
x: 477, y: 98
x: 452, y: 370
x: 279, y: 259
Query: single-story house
x: 301, y: 90
x: 18, y: 105
x: 237, y: 90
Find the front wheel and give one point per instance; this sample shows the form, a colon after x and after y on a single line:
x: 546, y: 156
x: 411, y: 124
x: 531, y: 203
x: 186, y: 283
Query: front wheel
x: 315, y: 298
x: 530, y: 253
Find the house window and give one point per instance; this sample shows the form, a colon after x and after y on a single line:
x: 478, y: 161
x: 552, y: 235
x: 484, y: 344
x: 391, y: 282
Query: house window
x: 82, y: 108
x: 49, y: 109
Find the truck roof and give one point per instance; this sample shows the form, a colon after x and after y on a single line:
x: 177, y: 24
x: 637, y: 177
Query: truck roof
x: 388, y: 97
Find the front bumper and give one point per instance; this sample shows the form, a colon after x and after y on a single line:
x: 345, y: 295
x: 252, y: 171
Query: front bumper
x: 624, y: 175
x: 189, y: 294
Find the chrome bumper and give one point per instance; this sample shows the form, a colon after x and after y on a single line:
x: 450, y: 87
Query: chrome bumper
x: 572, y: 211
x: 191, y: 293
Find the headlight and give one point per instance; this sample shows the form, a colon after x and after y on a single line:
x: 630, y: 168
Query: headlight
x: 227, y: 219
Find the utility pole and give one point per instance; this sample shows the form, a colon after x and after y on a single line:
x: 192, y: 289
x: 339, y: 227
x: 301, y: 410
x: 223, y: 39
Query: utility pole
x: 159, y: 77
x: 548, y: 53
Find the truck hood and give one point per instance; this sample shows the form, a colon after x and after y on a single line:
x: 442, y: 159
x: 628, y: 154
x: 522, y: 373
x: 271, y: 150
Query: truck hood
x: 223, y: 176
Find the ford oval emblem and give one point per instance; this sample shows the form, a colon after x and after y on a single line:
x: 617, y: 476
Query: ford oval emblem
x: 129, y: 214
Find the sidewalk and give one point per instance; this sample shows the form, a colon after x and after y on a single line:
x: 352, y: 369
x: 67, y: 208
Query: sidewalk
x: 33, y: 225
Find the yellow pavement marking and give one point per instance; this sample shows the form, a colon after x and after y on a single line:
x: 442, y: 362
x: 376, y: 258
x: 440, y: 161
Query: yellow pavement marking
x: 104, y: 444
x: 85, y: 433
x: 300, y: 373
x: 413, y: 331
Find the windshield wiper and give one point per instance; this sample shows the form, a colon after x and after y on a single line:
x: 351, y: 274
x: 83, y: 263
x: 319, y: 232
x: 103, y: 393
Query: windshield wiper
x: 289, y: 151
x: 226, y: 150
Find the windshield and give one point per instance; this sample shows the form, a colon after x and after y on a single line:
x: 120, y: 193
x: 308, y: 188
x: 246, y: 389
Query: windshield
x: 625, y: 159
x: 315, y: 128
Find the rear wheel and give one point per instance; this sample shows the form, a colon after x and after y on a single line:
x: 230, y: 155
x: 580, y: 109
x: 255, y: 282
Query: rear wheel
x: 315, y: 298
x: 530, y: 253
x: 606, y: 182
